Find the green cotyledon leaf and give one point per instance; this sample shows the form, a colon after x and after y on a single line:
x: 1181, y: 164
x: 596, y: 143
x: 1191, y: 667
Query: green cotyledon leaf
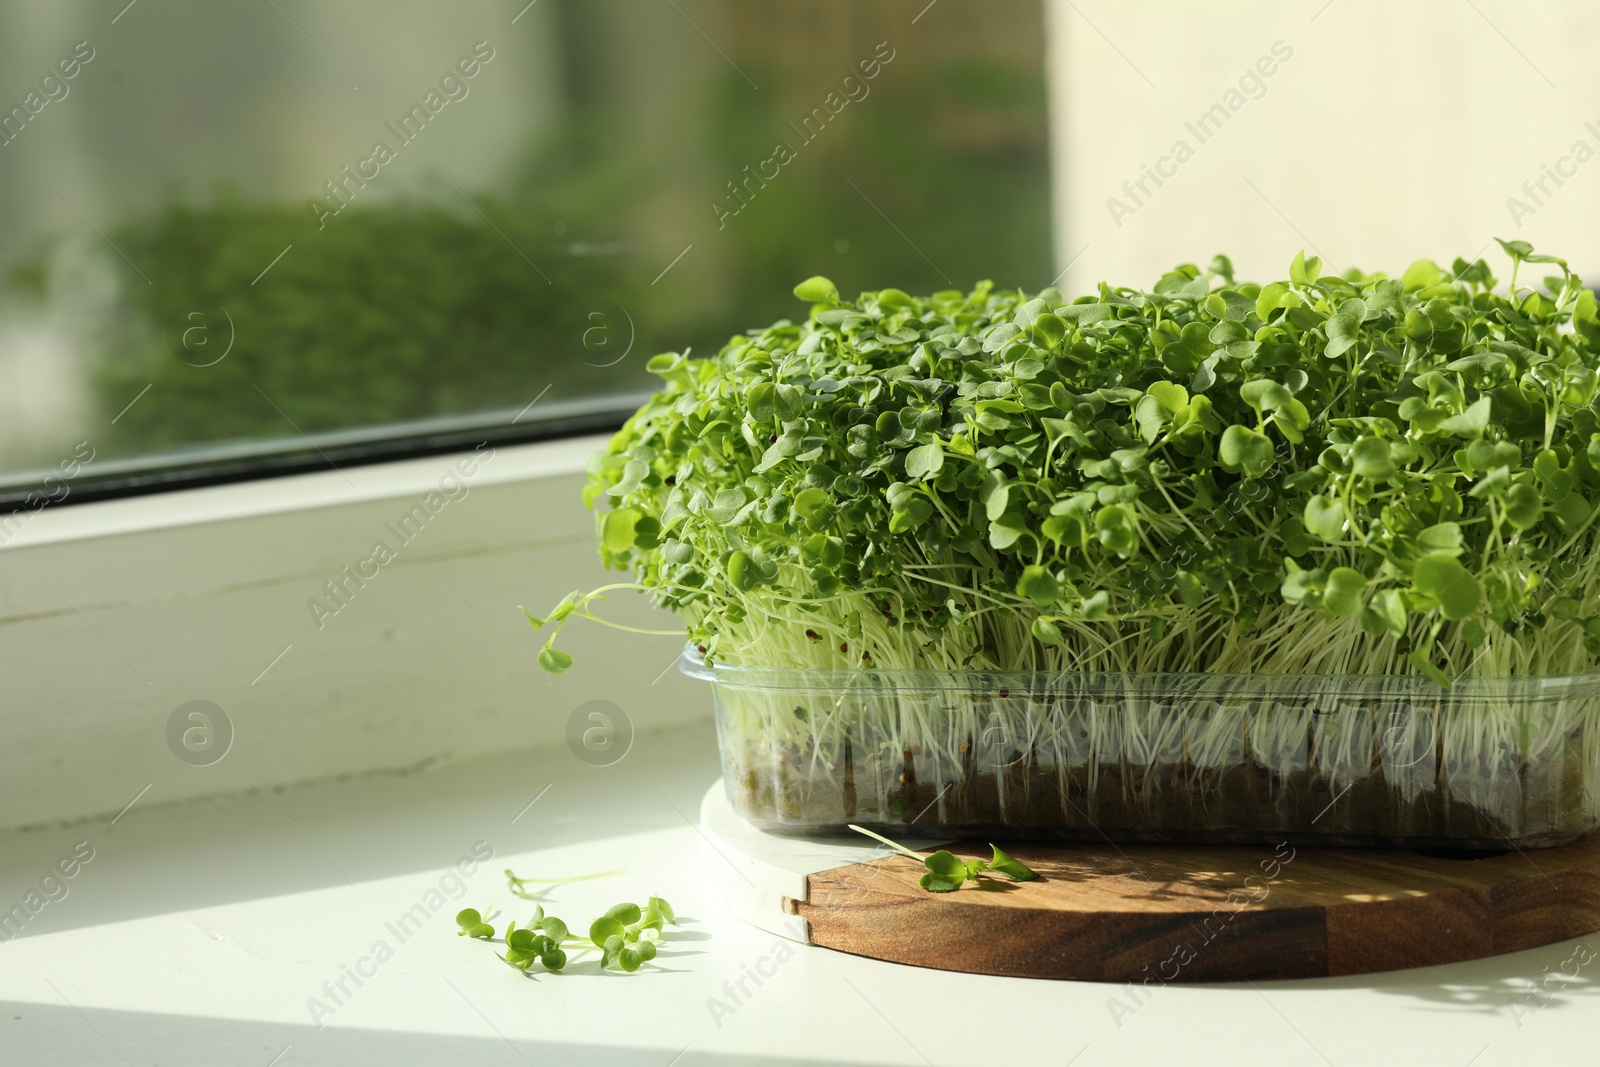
x: 817, y: 290
x: 1325, y: 518
x: 1342, y: 595
x: 946, y: 872
x: 1442, y: 577
x: 1011, y: 868
x: 1244, y: 449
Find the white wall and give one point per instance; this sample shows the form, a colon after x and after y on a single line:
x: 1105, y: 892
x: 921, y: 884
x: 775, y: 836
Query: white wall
x: 1392, y: 132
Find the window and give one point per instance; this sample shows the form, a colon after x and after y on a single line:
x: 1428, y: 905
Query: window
x: 245, y: 239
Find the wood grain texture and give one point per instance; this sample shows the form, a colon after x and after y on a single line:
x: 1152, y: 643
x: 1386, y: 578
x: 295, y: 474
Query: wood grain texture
x: 1200, y: 914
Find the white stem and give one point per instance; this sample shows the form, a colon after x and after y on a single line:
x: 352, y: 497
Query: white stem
x: 879, y: 837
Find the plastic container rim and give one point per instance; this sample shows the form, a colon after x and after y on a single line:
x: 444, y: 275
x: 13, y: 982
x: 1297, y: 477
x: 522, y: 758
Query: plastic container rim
x: 1167, y: 684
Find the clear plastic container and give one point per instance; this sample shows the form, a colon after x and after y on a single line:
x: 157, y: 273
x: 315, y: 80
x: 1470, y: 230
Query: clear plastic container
x: 1176, y: 758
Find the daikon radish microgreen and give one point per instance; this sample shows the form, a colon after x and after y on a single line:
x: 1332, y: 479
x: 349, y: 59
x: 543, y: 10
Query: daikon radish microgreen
x: 1356, y: 474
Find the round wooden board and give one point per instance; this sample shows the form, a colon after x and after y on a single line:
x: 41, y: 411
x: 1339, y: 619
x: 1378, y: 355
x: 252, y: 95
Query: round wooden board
x: 1207, y: 914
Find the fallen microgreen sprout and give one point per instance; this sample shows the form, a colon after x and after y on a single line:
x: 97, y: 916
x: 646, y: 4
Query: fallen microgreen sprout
x: 948, y: 872
x: 613, y: 923
x: 549, y: 924
x: 626, y: 936
x: 474, y: 924
x: 519, y: 885
x: 619, y: 954
x: 656, y: 914
x: 524, y: 946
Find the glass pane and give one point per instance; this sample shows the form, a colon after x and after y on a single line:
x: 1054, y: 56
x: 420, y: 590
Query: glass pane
x: 239, y: 233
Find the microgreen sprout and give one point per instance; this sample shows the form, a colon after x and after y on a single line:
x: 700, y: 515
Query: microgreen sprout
x: 1324, y: 474
x: 626, y: 936
x: 656, y: 914
x: 948, y: 872
x: 613, y: 923
x: 525, y: 946
x: 473, y: 924
x: 519, y: 885
x: 549, y: 924
x: 542, y: 939
x: 619, y: 954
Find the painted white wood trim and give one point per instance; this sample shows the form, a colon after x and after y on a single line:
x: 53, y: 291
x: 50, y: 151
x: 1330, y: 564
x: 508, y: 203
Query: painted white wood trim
x: 331, y: 488
x: 114, y: 614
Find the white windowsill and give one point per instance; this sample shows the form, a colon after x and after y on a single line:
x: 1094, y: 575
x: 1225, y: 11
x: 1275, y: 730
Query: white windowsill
x: 199, y: 934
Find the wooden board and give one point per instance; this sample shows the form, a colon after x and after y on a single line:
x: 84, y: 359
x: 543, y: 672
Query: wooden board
x: 1201, y: 914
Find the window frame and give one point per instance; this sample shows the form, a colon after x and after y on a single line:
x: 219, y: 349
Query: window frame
x: 226, y: 462
x: 115, y: 612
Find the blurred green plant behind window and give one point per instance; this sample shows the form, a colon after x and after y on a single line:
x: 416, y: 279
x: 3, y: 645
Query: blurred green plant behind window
x: 569, y: 215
